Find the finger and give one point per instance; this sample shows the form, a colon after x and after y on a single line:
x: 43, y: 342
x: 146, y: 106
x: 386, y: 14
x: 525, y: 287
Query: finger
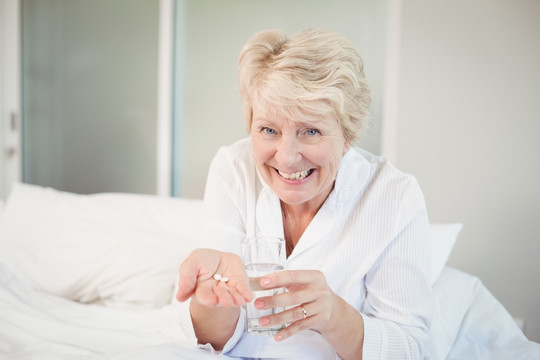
x: 295, y: 328
x: 239, y: 298
x: 238, y: 287
x: 224, y: 294
x: 286, y: 299
x: 238, y: 276
x: 304, y: 321
x: 242, y: 288
x: 291, y: 315
x: 213, y: 293
x: 290, y: 277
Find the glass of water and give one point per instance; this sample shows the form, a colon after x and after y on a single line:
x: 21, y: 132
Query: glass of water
x: 262, y: 255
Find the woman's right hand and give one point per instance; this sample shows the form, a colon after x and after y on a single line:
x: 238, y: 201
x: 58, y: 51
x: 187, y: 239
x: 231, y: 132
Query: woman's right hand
x: 197, y: 279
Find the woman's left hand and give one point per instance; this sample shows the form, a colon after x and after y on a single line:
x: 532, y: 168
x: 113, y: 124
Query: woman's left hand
x: 310, y: 300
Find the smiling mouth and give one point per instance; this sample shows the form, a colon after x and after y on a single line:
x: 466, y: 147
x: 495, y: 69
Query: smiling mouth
x: 297, y: 175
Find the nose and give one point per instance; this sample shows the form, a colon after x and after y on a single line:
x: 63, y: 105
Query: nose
x: 288, y: 151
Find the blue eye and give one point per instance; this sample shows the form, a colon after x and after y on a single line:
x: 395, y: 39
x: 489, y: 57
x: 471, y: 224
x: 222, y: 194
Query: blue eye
x: 268, y: 131
x: 312, y: 132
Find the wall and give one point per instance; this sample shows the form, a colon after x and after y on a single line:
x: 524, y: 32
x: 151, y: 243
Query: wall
x: 470, y: 131
x: 210, y: 35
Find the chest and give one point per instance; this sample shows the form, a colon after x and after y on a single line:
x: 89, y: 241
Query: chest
x: 345, y: 246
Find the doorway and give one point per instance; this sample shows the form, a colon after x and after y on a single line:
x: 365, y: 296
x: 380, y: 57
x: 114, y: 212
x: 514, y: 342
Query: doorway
x: 89, y: 94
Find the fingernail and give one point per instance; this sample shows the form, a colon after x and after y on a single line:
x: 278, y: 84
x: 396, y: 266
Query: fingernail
x: 265, y: 282
x: 278, y: 337
x: 264, y: 321
x: 259, y: 304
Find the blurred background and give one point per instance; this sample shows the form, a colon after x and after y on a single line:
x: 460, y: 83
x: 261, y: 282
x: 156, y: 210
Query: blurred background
x: 138, y: 95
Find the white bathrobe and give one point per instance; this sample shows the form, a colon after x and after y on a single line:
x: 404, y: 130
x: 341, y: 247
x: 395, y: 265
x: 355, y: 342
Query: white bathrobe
x: 370, y: 238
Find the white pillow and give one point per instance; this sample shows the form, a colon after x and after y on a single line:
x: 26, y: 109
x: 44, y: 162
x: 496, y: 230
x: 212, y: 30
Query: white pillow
x: 443, y: 239
x: 110, y: 248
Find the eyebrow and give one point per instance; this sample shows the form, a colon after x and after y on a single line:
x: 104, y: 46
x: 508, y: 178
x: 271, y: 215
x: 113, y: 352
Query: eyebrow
x: 299, y: 122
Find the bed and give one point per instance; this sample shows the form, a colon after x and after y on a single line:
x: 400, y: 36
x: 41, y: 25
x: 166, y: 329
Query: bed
x: 93, y: 277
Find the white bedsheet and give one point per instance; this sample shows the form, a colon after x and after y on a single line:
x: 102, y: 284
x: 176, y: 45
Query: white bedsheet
x: 36, y: 325
x: 469, y: 324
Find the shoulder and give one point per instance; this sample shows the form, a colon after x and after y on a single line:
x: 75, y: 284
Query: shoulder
x: 363, y: 172
x: 383, y: 169
x: 377, y: 163
x: 360, y: 169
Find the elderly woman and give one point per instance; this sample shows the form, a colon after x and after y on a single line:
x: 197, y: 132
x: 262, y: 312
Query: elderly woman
x: 356, y: 229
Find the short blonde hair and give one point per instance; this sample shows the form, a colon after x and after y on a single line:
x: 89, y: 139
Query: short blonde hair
x: 314, y: 73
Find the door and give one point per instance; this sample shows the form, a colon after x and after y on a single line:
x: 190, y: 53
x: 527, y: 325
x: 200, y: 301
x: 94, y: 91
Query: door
x: 10, y: 169
x: 90, y: 94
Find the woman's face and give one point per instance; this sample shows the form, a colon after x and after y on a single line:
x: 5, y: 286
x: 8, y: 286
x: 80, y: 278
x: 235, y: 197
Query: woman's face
x: 298, y: 160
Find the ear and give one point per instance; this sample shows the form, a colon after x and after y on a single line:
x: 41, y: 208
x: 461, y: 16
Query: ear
x: 248, y: 119
x: 347, y: 146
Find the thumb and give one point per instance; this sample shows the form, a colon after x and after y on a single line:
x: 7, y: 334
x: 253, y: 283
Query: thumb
x: 187, y: 280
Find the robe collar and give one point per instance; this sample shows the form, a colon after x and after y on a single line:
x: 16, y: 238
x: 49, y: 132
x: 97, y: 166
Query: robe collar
x: 352, y: 176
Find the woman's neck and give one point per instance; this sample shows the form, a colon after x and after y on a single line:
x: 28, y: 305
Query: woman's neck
x: 296, y: 219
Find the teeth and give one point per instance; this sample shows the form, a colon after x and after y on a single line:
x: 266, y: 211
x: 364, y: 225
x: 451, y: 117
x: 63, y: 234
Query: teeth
x: 295, y: 176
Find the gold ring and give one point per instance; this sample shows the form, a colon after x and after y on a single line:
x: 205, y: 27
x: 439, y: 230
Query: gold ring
x: 304, y: 311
